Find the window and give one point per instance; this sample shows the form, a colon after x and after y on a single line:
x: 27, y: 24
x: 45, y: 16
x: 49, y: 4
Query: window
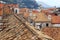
x: 47, y: 24
x: 16, y: 11
x: 31, y: 22
x: 40, y: 26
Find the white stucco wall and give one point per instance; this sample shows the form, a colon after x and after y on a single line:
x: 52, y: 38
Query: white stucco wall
x: 17, y: 10
x: 56, y: 25
x: 1, y: 23
x: 0, y: 17
x: 36, y: 25
x: 50, y: 25
x: 43, y: 24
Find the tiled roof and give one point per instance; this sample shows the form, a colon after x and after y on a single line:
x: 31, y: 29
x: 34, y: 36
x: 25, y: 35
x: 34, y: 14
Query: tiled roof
x: 24, y: 9
x: 56, y: 19
x: 41, y: 17
x: 1, y: 9
x: 51, y: 9
x: 26, y: 15
x: 35, y: 11
x: 48, y: 12
x: 33, y: 16
x: 12, y: 5
x: 1, y: 12
x: 17, y: 31
x: 52, y: 32
x: 1, y: 5
x: 15, y: 5
x: 7, y: 10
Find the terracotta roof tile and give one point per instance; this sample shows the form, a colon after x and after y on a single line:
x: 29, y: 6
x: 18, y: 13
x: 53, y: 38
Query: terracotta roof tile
x: 12, y: 5
x: 52, y: 32
x: 1, y: 9
x: 35, y: 11
x: 56, y: 19
x: 23, y: 9
x: 26, y: 15
x: 51, y: 9
x: 41, y: 17
x: 1, y: 12
x: 47, y: 12
x: 1, y: 5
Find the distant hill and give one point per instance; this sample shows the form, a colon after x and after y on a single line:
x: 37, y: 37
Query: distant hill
x: 23, y: 3
x: 27, y: 3
x: 43, y: 4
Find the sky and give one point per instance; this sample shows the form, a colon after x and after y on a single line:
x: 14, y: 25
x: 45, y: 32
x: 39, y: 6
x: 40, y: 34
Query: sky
x: 50, y: 2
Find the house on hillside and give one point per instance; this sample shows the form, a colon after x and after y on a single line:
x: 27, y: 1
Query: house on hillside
x: 32, y: 15
x: 1, y: 9
x: 50, y: 13
x: 14, y: 8
x: 39, y: 20
x: 57, y: 11
x: 7, y: 9
x: 55, y: 21
x: 24, y: 10
x: 1, y: 14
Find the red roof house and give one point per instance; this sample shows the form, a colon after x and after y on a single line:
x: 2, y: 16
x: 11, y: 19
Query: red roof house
x: 1, y: 9
x: 56, y: 19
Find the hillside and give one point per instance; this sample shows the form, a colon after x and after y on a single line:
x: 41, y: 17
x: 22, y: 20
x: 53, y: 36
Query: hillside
x: 23, y: 3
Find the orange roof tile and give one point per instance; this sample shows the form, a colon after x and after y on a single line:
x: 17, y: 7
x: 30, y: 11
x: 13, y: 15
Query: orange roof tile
x: 15, y: 5
x: 1, y: 5
x: 7, y: 10
x: 1, y: 12
x: 24, y: 9
x: 41, y: 17
x: 35, y: 11
x: 26, y: 15
x: 56, y: 19
x: 12, y: 5
x: 47, y: 12
x: 52, y: 32
x: 51, y: 8
x: 1, y: 9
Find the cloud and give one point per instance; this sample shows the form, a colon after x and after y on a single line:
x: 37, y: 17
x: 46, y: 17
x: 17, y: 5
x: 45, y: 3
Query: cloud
x: 51, y: 2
